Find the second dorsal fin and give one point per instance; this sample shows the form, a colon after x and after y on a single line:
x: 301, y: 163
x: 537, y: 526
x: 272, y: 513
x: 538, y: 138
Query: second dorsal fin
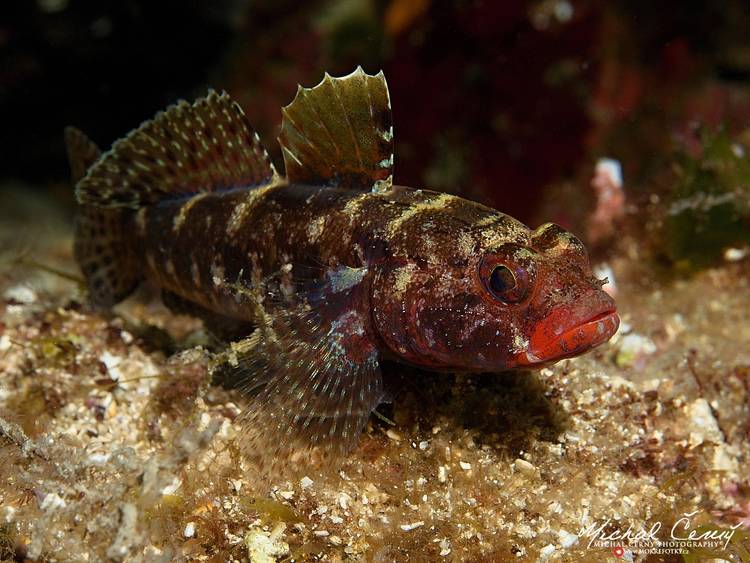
x: 340, y: 133
x: 186, y: 149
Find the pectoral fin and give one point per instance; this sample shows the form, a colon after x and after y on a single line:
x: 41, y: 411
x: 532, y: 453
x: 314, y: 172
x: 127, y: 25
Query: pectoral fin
x: 310, y: 395
x: 312, y: 378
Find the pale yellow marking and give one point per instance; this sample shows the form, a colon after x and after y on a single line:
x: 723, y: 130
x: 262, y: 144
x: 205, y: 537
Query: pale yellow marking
x: 251, y: 296
x: 465, y: 245
x: 510, y: 230
x: 437, y: 203
x: 486, y: 221
x: 520, y: 342
x: 170, y: 267
x: 315, y: 229
x: 564, y: 241
x: 404, y: 276
x: 245, y: 207
x: 352, y: 206
x: 541, y: 229
x: 182, y: 215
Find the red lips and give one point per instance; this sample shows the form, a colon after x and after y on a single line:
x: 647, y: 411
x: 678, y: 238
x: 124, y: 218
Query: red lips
x: 566, y: 333
x: 573, y: 341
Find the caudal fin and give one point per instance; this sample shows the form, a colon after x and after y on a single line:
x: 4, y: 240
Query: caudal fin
x: 100, y: 248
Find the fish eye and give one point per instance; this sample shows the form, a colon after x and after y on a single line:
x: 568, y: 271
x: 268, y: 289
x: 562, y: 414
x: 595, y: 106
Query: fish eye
x: 507, y: 274
x: 508, y: 285
x: 502, y: 280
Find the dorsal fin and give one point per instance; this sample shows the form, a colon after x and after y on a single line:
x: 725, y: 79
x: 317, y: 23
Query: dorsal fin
x: 340, y: 133
x: 82, y: 152
x: 186, y: 149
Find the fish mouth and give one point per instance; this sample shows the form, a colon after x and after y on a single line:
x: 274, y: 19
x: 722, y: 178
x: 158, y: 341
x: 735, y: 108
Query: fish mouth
x: 545, y: 347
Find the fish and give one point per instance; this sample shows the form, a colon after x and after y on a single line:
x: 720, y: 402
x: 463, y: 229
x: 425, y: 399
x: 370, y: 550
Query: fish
x: 315, y: 277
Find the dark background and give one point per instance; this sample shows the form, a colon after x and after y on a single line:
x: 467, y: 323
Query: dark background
x: 497, y: 101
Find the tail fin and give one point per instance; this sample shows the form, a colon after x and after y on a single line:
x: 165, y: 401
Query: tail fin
x: 108, y: 263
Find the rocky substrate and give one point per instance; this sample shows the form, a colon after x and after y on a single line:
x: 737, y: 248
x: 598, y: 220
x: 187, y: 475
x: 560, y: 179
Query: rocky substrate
x: 115, y: 445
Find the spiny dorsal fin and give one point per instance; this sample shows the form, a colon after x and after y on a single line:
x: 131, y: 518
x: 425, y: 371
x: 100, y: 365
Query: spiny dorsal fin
x: 186, y: 149
x: 340, y: 133
x: 82, y: 152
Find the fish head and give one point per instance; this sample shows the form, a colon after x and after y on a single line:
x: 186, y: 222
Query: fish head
x: 521, y: 299
x: 564, y: 312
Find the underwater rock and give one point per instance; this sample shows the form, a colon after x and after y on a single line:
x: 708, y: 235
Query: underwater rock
x: 266, y: 547
x: 610, y: 201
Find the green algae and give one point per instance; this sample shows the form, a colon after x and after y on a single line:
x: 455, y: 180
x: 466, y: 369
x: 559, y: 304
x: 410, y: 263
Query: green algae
x: 271, y: 510
x: 56, y: 351
x: 709, y: 210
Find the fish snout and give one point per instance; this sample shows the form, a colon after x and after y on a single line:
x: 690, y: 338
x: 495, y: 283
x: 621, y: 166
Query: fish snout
x: 570, y: 330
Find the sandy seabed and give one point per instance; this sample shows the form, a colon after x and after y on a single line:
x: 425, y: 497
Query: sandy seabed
x: 114, y: 446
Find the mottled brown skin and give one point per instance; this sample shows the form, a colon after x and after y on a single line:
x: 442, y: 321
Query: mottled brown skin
x: 422, y: 253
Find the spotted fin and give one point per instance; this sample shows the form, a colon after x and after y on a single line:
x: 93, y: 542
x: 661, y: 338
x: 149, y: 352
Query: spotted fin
x: 313, y: 379
x: 187, y: 149
x: 340, y: 133
x: 100, y: 245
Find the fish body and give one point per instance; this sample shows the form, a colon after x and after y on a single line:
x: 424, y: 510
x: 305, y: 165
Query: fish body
x: 317, y: 276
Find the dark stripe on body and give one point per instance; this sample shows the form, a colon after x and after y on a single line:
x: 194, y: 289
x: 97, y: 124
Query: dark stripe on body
x: 207, y: 247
